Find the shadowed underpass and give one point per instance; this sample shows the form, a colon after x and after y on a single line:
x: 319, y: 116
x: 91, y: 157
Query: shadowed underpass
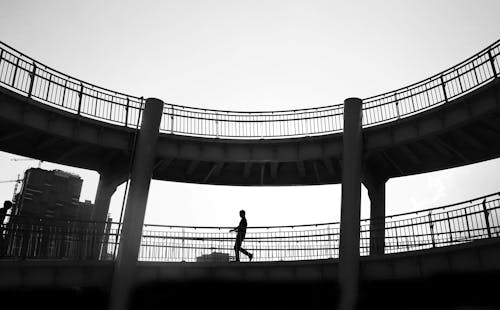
x: 441, y: 291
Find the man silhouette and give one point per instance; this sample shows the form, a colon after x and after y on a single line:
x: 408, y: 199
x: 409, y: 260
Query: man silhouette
x: 3, y: 213
x: 240, y: 236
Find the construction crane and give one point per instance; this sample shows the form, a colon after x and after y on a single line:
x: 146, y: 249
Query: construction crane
x: 10, y: 181
x: 26, y: 159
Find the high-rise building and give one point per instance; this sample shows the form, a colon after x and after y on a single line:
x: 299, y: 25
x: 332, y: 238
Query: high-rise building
x: 49, y: 220
x: 52, y: 195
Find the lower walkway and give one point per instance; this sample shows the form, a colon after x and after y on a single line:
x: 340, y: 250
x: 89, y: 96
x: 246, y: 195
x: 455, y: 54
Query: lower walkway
x: 455, y: 275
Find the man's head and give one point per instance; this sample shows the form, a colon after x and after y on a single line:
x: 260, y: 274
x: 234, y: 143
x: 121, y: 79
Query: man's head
x: 7, y: 204
x: 242, y: 213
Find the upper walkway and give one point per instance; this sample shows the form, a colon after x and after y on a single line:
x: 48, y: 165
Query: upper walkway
x: 447, y: 120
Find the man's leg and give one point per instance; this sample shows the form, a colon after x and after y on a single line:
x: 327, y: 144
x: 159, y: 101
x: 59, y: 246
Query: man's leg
x: 237, y: 247
x: 246, y: 253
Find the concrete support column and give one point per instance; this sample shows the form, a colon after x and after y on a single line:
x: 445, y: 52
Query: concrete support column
x: 350, y: 205
x: 142, y: 171
x: 376, y: 191
x: 105, y: 189
x: 108, y: 182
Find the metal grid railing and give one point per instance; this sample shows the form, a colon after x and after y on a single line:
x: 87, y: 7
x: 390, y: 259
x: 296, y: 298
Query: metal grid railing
x: 28, y: 77
x: 438, y: 227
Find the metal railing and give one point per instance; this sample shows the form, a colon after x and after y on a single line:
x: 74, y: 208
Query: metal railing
x: 30, y: 78
x: 438, y: 227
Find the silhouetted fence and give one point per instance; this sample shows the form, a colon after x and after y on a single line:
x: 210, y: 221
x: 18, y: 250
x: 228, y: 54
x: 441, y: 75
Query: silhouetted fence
x: 443, y: 226
x: 28, y: 77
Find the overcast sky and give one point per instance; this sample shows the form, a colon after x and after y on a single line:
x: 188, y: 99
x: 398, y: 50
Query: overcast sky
x: 257, y: 55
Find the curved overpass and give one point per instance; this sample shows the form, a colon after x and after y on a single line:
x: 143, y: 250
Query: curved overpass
x: 447, y: 120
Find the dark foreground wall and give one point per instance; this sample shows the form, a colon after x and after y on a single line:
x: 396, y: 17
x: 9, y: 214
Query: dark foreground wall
x: 465, y: 276
x: 441, y: 291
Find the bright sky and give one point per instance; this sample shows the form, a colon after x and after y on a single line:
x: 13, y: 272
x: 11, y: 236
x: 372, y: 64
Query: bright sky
x: 256, y: 55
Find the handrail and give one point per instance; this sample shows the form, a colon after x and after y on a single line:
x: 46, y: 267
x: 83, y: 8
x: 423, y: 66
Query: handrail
x: 24, y: 75
x: 453, y: 224
x: 453, y: 206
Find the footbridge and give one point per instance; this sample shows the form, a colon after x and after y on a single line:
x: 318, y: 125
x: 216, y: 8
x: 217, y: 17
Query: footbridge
x: 448, y: 120
x: 438, y: 245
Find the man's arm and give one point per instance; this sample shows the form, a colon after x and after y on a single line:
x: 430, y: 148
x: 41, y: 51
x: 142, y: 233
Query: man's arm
x: 236, y: 229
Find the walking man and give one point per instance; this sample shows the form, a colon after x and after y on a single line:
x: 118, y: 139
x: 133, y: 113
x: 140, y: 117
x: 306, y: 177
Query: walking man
x: 7, y: 205
x: 241, y: 231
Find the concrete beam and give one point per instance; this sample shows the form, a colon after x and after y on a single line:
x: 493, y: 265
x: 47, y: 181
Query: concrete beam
x: 262, y: 173
x: 44, y: 144
x: 247, y: 169
x: 392, y: 163
x: 212, y: 169
x: 74, y: 150
x: 274, y: 170
x: 452, y: 149
x: 329, y: 166
x: 301, y: 169
x: 414, y: 158
x: 192, y: 167
x: 471, y: 139
x: 11, y: 135
x: 316, y: 173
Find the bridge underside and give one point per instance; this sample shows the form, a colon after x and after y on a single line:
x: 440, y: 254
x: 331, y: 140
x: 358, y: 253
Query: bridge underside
x: 461, y: 132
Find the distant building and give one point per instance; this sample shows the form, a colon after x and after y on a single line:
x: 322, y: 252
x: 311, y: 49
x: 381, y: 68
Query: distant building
x: 49, y: 219
x: 52, y: 195
x: 214, y: 257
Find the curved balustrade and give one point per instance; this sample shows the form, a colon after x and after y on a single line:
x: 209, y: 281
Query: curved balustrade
x: 438, y: 227
x: 28, y: 77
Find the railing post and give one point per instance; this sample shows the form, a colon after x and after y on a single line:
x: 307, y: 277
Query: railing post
x: 443, y: 86
x: 126, y: 111
x: 449, y: 225
x: 396, y: 102
x: 64, y: 92
x: 32, y: 79
x: 459, y: 82
x: 413, y: 233
x: 183, y: 238
x: 492, y: 62
x: 15, y: 73
x: 486, y: 218
x: 216, y: 125
x: 262, y: 129
x: 467, y: 223
x: 397, y: 237
x: 80, y: 95
x: 431, y: 225
x: 172, y: 121
x: 48, y: 88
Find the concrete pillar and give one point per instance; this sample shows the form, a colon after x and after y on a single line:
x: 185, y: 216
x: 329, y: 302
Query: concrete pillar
x: 108, y: 183
x: 350, y: 205
x: 376, y: 191
x: 142, y: 171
